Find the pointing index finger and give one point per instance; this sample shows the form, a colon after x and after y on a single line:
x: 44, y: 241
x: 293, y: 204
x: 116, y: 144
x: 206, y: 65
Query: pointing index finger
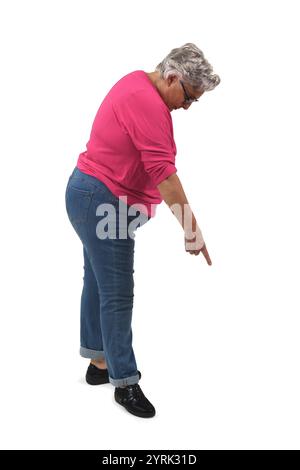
x: 205, y: 254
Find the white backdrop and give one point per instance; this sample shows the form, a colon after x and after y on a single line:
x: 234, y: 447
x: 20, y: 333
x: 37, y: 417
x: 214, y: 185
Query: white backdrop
x: 218, y: 346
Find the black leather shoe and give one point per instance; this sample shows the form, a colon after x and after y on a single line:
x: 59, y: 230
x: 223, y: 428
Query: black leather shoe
x: 96, y: 376
x: 135, y: 402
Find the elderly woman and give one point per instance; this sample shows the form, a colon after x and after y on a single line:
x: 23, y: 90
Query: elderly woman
x: 128, y: 168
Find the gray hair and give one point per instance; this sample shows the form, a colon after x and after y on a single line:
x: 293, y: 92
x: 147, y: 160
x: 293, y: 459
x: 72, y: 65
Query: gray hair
x: 189, y: 64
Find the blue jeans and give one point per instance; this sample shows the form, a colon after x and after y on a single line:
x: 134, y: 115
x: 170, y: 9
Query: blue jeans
x: 108, y: 287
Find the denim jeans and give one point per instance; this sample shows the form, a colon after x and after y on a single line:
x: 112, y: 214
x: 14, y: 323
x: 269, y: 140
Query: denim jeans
x: 108, y: 282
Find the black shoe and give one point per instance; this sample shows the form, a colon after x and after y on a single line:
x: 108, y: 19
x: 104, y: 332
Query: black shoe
x: 96, y: 376
x: 133, y: 399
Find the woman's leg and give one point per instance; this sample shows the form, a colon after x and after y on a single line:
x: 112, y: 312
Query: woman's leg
x: 91, y: 343
x: 112, y: 262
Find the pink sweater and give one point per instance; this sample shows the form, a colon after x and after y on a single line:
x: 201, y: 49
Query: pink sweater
x: 131, y: 147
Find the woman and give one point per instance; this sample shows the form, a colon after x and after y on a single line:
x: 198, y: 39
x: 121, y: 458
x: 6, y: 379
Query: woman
x: 128, y: 168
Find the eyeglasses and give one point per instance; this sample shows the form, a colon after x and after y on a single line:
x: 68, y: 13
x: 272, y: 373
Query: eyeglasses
x: 187, y: 98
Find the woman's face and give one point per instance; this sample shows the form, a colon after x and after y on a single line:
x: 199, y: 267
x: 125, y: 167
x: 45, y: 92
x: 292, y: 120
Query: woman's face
x: 174, y: 93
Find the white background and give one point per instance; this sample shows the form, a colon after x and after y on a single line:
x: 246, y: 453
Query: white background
x: 218, y: 346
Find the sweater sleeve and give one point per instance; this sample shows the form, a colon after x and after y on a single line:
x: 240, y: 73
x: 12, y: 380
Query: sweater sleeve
x: 150, y: 128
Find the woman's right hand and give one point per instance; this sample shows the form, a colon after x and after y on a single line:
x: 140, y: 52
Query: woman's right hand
x: 197, y: 244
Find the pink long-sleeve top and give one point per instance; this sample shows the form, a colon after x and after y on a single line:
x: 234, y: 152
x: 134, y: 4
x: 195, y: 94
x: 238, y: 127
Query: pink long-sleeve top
x: 131, y: 147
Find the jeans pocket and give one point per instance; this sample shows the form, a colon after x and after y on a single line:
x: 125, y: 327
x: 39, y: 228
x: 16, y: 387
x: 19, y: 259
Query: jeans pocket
x: 78, y: 202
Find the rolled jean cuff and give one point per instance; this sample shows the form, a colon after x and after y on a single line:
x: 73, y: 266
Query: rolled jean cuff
x: 91, y: 353
x: 123, y: 382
